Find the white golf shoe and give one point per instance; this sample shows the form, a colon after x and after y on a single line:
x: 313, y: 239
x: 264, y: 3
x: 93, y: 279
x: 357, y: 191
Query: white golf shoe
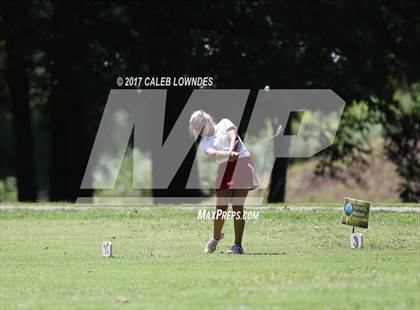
x: 212, y: 244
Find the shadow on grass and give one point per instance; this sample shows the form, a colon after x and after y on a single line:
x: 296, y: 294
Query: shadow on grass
x: 266, y: 253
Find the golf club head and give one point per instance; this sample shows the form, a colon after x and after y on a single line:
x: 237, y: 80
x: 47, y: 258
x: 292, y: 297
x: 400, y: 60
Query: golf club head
x: 278, y: 131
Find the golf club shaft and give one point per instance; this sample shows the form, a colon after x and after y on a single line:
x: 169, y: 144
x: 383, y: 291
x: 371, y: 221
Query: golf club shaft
x: 262, y: 141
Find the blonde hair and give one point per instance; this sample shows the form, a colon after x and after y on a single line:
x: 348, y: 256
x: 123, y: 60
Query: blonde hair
x: 198, y: 120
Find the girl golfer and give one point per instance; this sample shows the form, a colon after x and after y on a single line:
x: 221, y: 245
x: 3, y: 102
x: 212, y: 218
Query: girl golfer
x: 235, y: 174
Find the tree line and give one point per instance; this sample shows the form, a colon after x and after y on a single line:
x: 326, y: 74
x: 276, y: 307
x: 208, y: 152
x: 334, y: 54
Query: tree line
x: 59, y: 59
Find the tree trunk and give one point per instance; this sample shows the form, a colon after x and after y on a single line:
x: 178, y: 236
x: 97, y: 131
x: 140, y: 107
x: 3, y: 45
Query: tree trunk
x: 67, y: 120
x: 277, y: 191
x: 18, y: 67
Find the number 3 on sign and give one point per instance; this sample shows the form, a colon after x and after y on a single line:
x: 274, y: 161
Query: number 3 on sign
x: 356, y: 241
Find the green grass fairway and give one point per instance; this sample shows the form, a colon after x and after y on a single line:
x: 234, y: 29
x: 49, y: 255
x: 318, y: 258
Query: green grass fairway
x: 297, y: 260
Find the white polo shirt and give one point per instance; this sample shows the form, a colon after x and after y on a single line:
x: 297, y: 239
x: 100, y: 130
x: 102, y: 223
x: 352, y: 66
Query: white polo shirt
x: 220, y: 140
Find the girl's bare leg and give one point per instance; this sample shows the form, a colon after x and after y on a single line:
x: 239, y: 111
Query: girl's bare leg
x: 222, y: 204
x: 238, y: 200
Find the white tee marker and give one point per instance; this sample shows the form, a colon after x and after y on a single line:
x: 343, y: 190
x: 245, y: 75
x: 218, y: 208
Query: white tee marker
x: 107, y: 249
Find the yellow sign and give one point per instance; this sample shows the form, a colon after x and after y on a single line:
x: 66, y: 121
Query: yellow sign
x: 356, y: 213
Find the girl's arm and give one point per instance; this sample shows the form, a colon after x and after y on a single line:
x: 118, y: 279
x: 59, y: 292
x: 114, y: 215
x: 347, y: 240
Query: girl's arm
x: 218, y: 155
x: 232, y: 154
x: 232, y: 135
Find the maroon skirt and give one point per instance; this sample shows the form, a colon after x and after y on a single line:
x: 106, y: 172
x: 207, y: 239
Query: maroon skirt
x: 235, y: 175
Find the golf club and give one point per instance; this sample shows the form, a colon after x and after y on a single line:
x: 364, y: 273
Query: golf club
x: 278, y: 131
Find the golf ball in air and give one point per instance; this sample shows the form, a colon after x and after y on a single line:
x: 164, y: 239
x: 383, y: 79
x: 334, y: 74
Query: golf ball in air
x: 348, y: 209
x: 267, y: 88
